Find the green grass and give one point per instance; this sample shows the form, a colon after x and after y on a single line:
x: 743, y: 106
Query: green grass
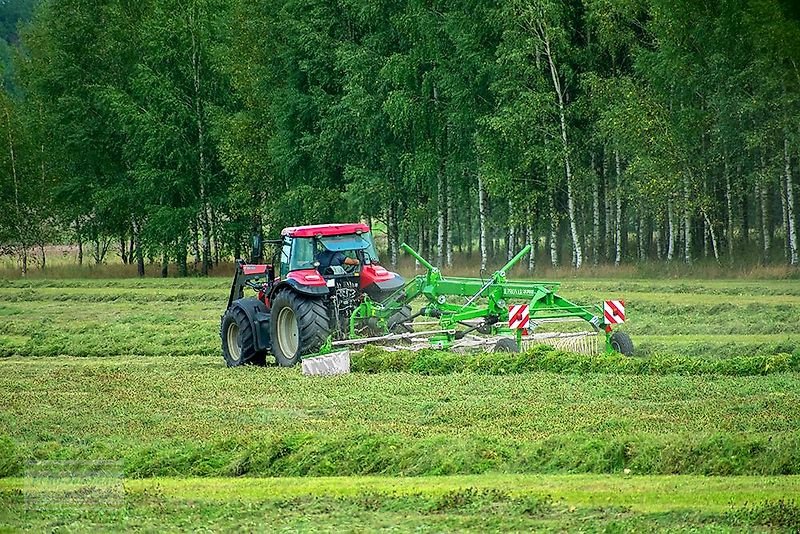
x: 191, y: 416
x: 493, y: 502
x: 120, y: 317
x: 698, y: 432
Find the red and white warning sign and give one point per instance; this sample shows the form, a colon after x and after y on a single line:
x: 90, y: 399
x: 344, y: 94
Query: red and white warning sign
x: 614, y: 311
x: 518, y: 316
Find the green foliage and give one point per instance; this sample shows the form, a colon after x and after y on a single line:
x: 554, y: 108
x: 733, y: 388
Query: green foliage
x: 181, y: 129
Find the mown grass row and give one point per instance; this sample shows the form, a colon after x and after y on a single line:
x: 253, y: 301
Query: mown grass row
x: 545, y: 358
x: 93, y: 504
x: 189, y: 416
x: 310, y: 454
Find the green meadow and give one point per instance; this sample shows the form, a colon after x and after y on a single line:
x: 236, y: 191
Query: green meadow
x: 116, y: 411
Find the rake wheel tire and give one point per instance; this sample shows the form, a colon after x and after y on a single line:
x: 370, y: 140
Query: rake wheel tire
x: 298, y: 326
x: 506, y: 344
x: 238, y: 335
x: 621, y: 342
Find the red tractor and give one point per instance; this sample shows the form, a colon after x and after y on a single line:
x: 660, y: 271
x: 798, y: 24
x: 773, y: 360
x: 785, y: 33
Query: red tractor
x: 324, y: 273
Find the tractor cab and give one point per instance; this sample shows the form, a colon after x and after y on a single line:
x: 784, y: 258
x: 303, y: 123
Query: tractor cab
x: 325, y: 255
x: 331, y: 255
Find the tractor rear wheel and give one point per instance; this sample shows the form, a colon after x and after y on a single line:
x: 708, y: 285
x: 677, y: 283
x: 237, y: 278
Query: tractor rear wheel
x: 238, y: 336
x: 298, y: 326
x: 621, y: 342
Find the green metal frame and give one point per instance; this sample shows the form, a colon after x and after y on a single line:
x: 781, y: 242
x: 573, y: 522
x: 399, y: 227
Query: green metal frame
x: 493, y: 294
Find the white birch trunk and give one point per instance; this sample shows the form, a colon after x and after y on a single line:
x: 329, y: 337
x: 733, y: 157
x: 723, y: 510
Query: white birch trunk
x: 595, y: 215
x: 441, y: 213
x: 573, y: 223
x: 671, y: 231
x: 420, y: 243
x: 205, y: 222
x: 712, y: 234
x: 687, y: 224
x: 659, y: 225
x: 482, y: 222
x: 729, y: 205
x: 553, y: 231
x: 23, y: 245
x: 793, y: 246
x: 511, y: 232
x: 609, y: 219
x: 618, y: 212
x: 529, y: 241
x: 448, y: 242
x: 766, y: 238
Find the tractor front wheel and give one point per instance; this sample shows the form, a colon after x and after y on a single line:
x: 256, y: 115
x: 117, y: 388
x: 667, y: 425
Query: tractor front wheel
x: 621, y: 342
x: 298, y: 326
x: 238, y: 337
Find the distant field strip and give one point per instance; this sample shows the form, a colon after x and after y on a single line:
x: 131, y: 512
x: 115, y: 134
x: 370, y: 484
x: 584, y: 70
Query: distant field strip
x: 152, y: 317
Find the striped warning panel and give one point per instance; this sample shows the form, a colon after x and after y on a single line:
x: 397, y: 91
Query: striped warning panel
x: 614, y: 311
x: 518, y: 316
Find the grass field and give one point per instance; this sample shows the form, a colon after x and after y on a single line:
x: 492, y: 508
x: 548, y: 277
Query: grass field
x: 116, y: 410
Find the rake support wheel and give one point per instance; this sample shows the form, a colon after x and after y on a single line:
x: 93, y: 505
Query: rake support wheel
x: 621, y: 342
x: 299, y: 325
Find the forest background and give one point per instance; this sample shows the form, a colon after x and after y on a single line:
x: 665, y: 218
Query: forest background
x: 165, y: 134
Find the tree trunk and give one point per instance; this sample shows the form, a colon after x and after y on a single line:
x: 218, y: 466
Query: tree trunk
x: 560, y: 94
x: 139, y: 252
x: 712, y: 234
x: 205, y: 222
x: 448, y: 242
x: 762, y: 197
x: 123, y: 249
x: 441, y: 223
x: 609, y: 230
x: 659, y: 227
x: 44, y: 256
x: 687, y: 224
x: 23, y: 245
x: 595, y: 214
x: 671, y: 232
x: 195, y: 244
x: 482, y: 222
x: 420, y: 243
x: 553, y: 231
x: 79, y: 237
x: 164, y: 263
x: 530, y: 240
x: 511, y: 235
x: 790, y: 214
x: 618, y: 211
x: 729, y: 205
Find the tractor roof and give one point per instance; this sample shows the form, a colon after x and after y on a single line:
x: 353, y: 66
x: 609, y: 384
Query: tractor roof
x: 325, y: 229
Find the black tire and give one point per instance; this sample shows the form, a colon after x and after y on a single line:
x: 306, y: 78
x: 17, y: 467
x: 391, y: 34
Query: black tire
x: 310, y: 331
x: 396, y: 323
x: 621, y: 342
x: 238, y: 336
x: 506, y: 344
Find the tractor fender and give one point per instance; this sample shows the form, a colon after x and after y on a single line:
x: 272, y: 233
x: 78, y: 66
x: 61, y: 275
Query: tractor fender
x: 259, y: 316
x: 303, y: 289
